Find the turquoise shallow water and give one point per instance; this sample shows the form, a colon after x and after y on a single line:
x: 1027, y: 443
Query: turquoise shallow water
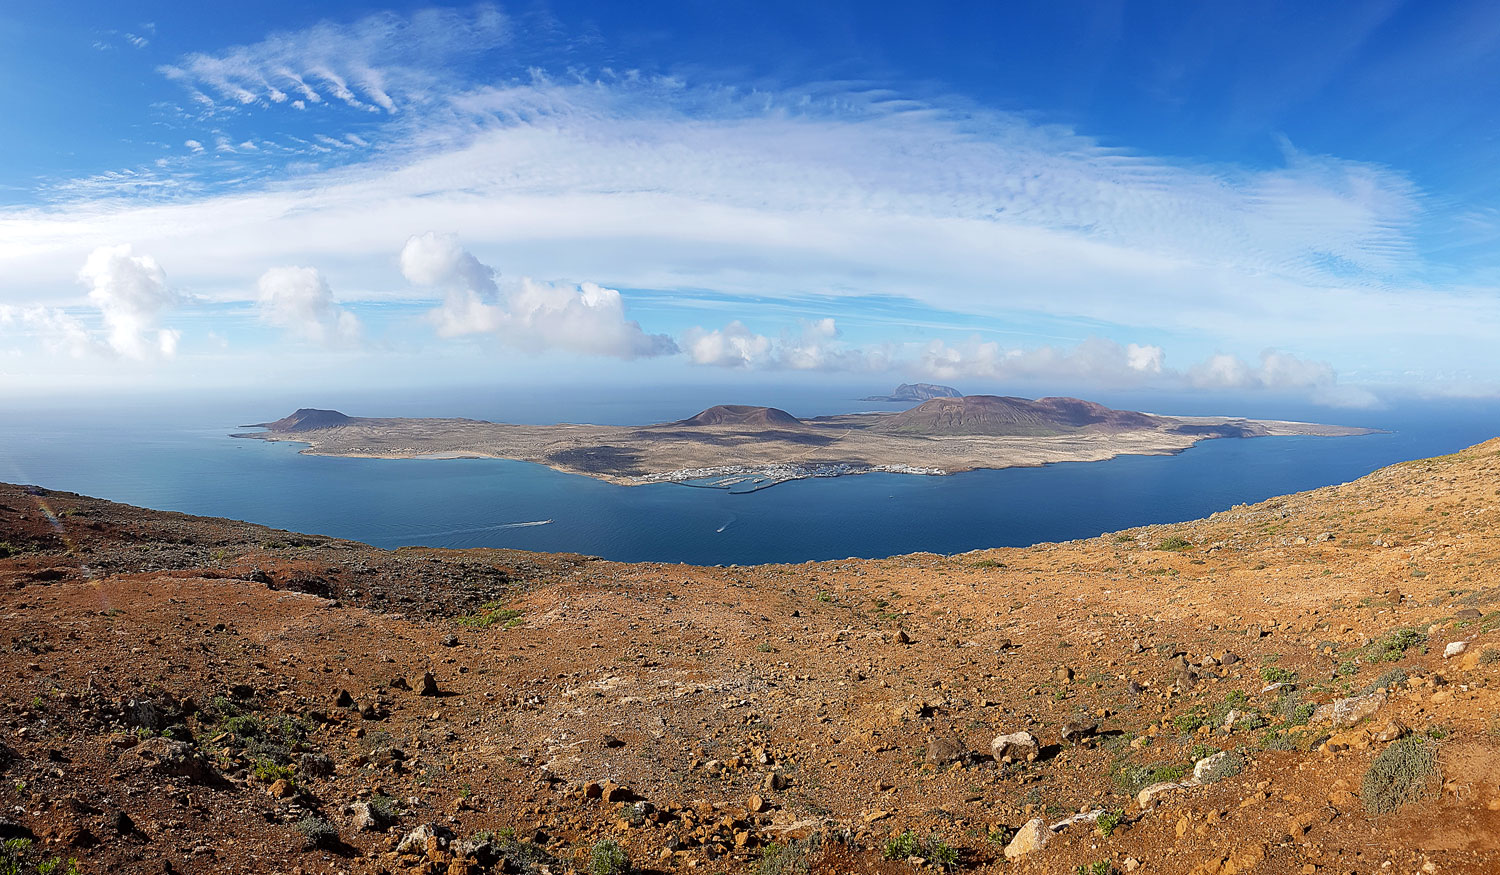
x: 187, y: 462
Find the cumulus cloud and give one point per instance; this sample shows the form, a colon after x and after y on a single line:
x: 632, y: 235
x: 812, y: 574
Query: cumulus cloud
x: 529, y: 314
x: 733, y: 346
x: 439, y: 261
x: 1279, y: 372
x: 58, y: 331
x: 1094, y: 360
x: 815, y: 347
x: 131, y: 293
x: 1104, y: 362
x: 300, y: 300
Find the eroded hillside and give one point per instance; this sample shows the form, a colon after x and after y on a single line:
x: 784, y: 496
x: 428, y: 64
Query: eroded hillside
x: 195, y: 695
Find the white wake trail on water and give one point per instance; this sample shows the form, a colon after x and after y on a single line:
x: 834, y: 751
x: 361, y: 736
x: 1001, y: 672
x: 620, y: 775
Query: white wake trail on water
x: 481, y: 529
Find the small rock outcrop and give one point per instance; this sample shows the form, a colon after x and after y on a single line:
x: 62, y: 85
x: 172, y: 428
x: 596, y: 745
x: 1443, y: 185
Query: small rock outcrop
x: 1346, y: 712
x: 1079, y: 731
x: 943, y: 750
x: 1016, y: 747
x: 1030, y: 838
x: 167, y: 756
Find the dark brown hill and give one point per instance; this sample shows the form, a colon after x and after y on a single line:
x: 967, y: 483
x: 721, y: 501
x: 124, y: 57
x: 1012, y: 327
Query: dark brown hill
x: 307, y: 419
x: 997, y: 415
x: 741, y: 415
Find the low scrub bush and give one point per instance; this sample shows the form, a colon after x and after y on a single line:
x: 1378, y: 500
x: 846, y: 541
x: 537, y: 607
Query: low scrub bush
x: 608, y: 857
x: 1395, y: 644
x: 1393, y: 678
x: 1402, y: 773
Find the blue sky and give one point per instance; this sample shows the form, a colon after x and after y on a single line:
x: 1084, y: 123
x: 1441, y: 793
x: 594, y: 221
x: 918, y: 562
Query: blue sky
x: 1028, y: 198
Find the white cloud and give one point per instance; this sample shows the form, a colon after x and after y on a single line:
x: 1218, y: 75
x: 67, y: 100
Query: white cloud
x: 58, y: 331
x: 1144, y: 359
x: 1103, y: 362
x: 661, y: 183
x: 300, y: 300
x: 815, y: 347
x: 648, y: 183
x: 529, y: 314
x: 1279, y: 372
x: 733, y: 346
x: 131, y: 293
x: 1095, y: 360
x: 381, y: 63
x: 439, y: 261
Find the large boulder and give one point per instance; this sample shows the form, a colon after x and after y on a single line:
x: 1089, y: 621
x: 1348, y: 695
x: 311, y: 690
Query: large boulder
x: 945, y: 749
x: 1031, y: 837
x: 1016, y: 747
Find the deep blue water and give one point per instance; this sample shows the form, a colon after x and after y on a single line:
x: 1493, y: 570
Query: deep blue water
x: 181, y: 458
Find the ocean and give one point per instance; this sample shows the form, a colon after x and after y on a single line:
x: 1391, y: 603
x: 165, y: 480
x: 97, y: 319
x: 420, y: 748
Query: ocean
x: 177, y: 455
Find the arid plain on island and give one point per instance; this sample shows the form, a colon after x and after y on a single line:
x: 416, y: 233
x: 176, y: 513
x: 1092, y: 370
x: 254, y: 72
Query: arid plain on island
x: 729, y: 442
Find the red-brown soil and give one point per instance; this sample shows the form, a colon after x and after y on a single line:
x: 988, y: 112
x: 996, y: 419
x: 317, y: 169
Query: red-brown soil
x: 171, y: 695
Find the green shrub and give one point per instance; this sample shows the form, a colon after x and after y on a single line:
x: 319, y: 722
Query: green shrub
x: 268, y: 771
x: 7, y: 550
x: 901, y: 847
x: 1174, y: 543
x: 1489, y: 656
x: 18, y: 857
x: 1292, y: 709
x: 1395, y: 644
x: 1132, y: 778
x: 608, y: 858
x: 1402, y: 773
x: 1227, y: 767
x: 787, y: 859
x: 1100, y: 867
x: 1275, y: 674
x: 940, y: 854
x: 1108, y: 821
x: 1393, y: 678
x: 317, y: 831
x: 491, y: 613
x: 1189, y: 721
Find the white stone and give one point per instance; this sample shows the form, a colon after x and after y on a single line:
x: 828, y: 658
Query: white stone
x: 1015, y: 747
x: 1149, y: 794
x: 1455, y: 649
x: 1032, y: 836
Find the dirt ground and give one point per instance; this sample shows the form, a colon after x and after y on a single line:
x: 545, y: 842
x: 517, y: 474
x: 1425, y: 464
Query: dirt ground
x: 182, y: 694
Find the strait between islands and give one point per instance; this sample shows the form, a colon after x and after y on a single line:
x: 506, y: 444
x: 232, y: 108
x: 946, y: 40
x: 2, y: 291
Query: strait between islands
x: 730, y: 446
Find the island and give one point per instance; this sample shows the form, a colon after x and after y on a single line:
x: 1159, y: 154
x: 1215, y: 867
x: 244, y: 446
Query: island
x: 744, y: 448
x: 908, y: 393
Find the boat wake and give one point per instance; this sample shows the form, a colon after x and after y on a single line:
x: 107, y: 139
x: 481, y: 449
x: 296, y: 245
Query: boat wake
x: 493, y: 528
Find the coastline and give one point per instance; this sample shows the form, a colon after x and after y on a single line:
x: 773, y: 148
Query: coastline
x: 764, y: 473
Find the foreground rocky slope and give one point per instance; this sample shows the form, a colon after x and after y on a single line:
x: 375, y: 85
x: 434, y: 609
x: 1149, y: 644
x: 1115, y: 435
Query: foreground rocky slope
x: 1304, y: 685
